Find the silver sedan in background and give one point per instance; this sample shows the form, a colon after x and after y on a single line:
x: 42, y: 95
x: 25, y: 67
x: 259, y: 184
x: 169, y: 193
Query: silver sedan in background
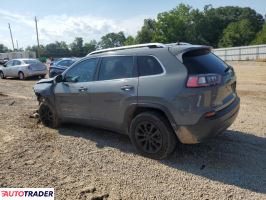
x: 23, y: 68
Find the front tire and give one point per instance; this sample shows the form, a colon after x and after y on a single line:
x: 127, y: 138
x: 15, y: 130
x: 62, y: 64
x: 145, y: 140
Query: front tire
x: 21, y: 76
x: 48, y: 115
x: 152, y: 135
x: 2, y: 76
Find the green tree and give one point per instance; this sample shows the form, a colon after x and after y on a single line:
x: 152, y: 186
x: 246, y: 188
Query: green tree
x: 217, y: 19
x: 196, y: 28
x: 77, y: 47
x: 3, y: 48
x: 57, y: 49
x: 146, y: 33
x: 238, y: 34
x: 171, y: 26
x: 184, y: 23
x: 89, y: 47
x: 261, y: 36
x: 130, y: 40
x: 34, y: 48
x: 112, y: 40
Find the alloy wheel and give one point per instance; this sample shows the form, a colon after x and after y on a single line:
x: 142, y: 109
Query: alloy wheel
x: 46, y: 116
x: 148, y: 137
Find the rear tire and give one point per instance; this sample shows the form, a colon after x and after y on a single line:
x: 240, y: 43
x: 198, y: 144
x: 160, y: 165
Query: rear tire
x: 21, y: 76
x: 2, y: 76
x: 48, y: 115
x: 152, y: 135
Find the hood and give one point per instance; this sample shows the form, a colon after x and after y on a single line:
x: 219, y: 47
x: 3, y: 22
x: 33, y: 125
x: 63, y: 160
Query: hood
x: 44, y: 87
x: 46, y: 80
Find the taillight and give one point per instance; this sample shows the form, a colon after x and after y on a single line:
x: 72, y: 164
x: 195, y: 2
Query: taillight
x: 203, y: 80
x: 210, y: 114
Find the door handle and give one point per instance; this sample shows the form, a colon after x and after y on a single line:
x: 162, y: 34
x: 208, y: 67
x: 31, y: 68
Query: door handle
x: 82, y: 89
x: 127, y: 87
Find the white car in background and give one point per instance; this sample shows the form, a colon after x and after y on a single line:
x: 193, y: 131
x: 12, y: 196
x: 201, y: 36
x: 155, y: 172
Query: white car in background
x: 23, y: 68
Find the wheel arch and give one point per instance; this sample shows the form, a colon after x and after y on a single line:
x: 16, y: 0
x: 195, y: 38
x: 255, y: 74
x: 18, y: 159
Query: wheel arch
x: 136, y: 109
x: 44, y: 97
x: 20, y: 71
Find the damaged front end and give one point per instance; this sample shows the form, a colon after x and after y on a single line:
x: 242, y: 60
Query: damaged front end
x: 43, y: 89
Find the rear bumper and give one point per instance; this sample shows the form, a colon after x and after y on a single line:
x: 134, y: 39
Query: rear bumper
x: 35, y: 73
x: 209, y: 127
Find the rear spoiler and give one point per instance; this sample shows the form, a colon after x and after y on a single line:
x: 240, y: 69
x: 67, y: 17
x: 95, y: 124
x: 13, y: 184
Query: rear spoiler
x: 178, y: 52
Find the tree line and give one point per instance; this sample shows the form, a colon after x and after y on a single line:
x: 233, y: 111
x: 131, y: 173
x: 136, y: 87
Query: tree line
x: 218, y: 27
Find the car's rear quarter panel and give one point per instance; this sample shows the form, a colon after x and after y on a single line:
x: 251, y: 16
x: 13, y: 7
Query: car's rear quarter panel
x: 186, y: 105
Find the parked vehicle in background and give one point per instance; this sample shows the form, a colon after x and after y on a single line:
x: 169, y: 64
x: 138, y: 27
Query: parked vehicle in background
x: 155, y: 93
x: 23, y: 68
x: 60, y: 66
x: 55, y: 60
x: 3, y: 61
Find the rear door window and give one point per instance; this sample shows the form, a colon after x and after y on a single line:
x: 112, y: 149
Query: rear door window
x: 117, y: 67
x: 148, y: 65
x: 203, y: 62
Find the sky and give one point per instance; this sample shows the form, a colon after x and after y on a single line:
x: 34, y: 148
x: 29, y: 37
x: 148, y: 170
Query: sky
x: 63, y: 20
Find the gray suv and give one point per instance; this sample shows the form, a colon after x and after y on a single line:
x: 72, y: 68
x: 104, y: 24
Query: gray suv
x: 157, y: 94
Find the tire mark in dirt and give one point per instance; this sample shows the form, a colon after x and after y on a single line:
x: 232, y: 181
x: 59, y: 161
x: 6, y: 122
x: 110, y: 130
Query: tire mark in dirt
x: 14, y: 96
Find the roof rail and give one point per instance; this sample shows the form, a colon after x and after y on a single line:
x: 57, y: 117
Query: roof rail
x: 177, y: 43
x: 149, y: 45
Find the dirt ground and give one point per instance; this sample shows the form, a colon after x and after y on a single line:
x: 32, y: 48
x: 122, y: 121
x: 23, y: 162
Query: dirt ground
x: 86, y: 163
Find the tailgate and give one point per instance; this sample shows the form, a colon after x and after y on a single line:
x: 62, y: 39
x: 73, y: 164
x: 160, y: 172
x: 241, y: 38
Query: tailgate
x: 201, y: 62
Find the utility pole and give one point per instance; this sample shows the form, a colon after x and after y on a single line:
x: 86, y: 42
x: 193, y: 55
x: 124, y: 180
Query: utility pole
x: 37, y: 34
x: 11, y: 36
x: 17, y: 44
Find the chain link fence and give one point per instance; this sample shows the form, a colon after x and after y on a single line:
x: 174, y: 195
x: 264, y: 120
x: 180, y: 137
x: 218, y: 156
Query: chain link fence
x: 244, y: 53
x: 22, y: 54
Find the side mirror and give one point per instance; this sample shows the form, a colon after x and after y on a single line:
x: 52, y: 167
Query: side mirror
x: 4, y: 65
x: 59, y: 78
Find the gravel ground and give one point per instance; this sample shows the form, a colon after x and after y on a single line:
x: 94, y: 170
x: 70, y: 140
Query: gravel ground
x: 86, y: 163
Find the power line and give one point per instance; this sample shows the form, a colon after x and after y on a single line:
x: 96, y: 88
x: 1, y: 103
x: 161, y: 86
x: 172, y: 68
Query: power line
x: 17, y: 44
x: 11, y: 36
x: 37, y: 34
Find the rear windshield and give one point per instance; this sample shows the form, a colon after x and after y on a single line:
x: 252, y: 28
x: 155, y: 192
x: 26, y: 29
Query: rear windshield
x: 203, y: 62
x: 31, y: 61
